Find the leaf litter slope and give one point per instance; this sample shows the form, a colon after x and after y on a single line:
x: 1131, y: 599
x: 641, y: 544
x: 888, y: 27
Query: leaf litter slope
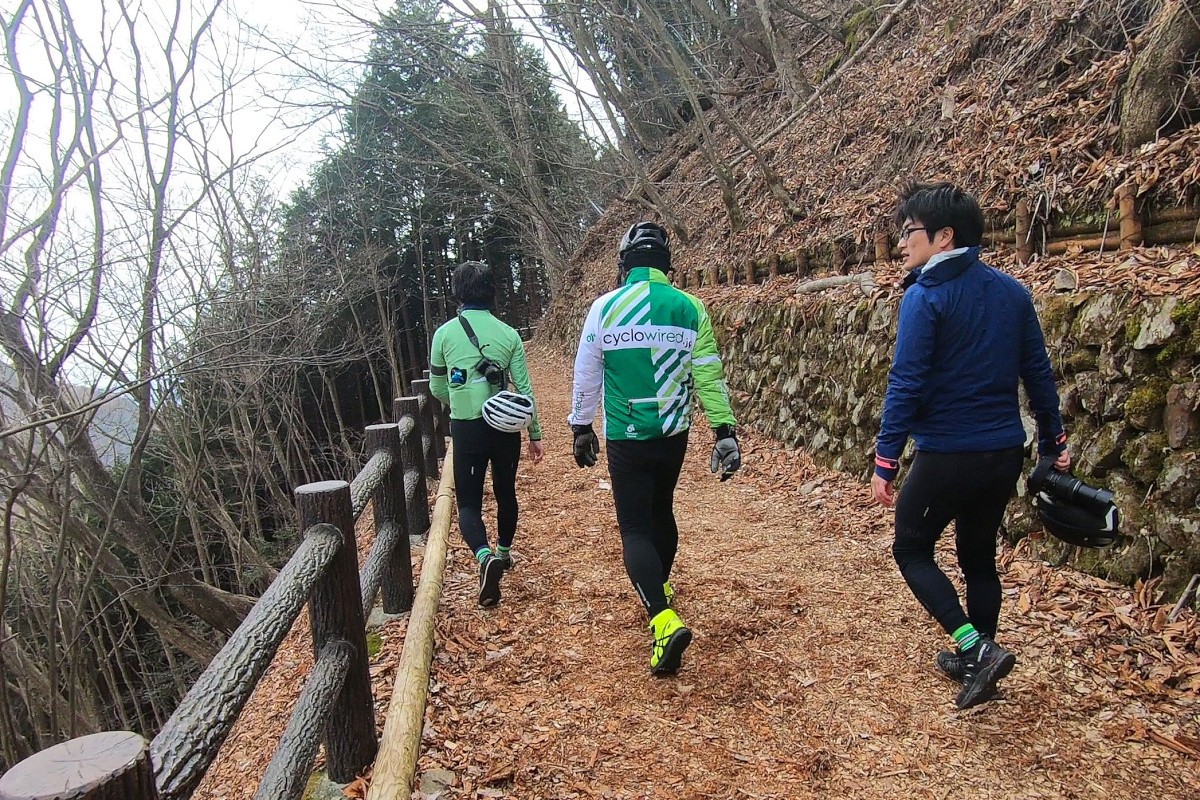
x: 811, y: 669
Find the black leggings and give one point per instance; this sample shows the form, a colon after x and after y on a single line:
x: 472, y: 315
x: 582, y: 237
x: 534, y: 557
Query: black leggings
x: 644, y: 475
x: 972, y: 489
x: 476, y: 444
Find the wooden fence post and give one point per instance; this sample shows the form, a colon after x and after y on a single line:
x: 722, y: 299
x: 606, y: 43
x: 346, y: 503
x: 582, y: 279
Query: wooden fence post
x: 441, y: 420
x: 773, y: 267
x: 410, y: 449
x: 1131, y: 224
x: 883, y: 245
x: 750, y: 277
x: 102, y: 766
x: 1024, y: 232
x: 731, y: 273
x: 713, y: 276
x: 424, y: 417
x: 839, y: 260
x: 391, y: 509
x: 335, y: 608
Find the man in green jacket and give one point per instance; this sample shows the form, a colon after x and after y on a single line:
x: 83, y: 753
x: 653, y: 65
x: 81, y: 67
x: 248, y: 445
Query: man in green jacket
x: 472, y: 377
x: 648, y: 345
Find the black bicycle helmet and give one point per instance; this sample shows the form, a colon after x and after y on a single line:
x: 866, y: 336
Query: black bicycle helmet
x: 645, y: 236
x: 1076, y: 523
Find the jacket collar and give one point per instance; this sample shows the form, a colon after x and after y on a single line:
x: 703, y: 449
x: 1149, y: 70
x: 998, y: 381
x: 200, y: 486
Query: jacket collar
x: 943, y: 270
x: 652, y: 274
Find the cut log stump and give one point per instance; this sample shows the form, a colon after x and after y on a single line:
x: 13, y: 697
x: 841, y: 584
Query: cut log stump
x: 103, y: 766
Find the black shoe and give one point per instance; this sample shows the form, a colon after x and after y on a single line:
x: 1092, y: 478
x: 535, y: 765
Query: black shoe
x: 983, y: 667
x: 952, y: 665
x: 490, y: 572
x: 506, y: 560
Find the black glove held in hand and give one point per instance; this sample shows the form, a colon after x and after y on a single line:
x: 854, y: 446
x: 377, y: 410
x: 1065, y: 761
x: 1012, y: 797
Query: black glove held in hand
x: 587, y: 447
x: 726, y: 457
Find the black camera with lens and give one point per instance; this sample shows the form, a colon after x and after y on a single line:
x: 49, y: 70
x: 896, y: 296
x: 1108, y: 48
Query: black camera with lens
x: 491, y: 371
x: 1067, y: 488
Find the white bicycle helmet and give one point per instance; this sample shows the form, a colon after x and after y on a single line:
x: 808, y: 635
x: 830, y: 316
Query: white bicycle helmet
x: 508, y: 411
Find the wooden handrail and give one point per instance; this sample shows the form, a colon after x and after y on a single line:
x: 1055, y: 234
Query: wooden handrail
x: 336, y: 705
x: 188, y: 743
x: 369, y: 478
x: 288, y: 773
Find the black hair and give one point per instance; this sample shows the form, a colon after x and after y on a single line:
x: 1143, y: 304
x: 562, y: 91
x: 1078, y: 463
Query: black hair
x: 473, y: 284
x: 941, y: 205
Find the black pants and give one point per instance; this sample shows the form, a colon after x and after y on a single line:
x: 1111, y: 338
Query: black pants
x: 644, y: 475
x: 477, y: 444
x: 972, y: 489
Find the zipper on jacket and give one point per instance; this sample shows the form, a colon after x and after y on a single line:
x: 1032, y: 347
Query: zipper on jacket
x: 644, y: 400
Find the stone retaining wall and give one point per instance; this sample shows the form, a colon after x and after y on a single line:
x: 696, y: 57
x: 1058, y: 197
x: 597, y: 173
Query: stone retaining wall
x: 813, y: 374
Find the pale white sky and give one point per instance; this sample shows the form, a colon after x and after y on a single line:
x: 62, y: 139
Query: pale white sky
x: 325, y: 39
x: 272, y: 80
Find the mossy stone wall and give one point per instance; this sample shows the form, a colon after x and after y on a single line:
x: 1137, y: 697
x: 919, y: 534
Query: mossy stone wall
x: 814, y: 376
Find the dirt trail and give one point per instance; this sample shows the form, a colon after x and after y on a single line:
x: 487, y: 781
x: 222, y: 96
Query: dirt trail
x: 811, y: 671
x: 811, y: 674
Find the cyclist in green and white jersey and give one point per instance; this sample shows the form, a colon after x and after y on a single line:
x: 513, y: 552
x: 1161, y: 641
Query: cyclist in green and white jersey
x: 459, y: 377
x: 648, y: 345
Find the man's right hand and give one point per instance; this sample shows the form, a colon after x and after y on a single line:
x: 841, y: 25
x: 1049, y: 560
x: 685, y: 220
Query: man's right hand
x: 883, y: 491
x: 587, y: 447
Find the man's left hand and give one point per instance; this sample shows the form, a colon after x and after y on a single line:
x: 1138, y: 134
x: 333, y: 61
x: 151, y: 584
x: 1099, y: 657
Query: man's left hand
x: 882, y: 491
x: 726, y: 456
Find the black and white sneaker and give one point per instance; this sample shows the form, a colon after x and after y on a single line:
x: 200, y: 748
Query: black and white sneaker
x: 506, y: 560
x: 983, y: 667
x: 952, y: 665
x: 490, y: 572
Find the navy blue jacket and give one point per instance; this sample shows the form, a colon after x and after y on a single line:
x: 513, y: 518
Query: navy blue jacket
x: 967, y: 333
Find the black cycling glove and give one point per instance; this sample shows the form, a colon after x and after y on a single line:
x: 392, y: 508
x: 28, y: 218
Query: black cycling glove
x: 726, y: 456
x: 587, y: 447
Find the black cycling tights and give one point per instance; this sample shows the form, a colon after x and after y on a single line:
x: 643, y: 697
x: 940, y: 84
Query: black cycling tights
x: 972, y: 489
x: 475, y: 445
x: 644, y: 475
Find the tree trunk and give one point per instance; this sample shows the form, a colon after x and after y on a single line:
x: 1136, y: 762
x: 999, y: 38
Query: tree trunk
x: 791, y: 82
x: 1151, y: 95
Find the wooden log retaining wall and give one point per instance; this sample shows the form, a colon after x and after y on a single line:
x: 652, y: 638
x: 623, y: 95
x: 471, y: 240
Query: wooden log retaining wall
x: 1123, y: 229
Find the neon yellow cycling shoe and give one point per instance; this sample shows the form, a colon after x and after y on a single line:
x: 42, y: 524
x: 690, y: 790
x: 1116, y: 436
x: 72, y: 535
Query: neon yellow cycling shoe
x: 671, y: 638
x: 669, y: 591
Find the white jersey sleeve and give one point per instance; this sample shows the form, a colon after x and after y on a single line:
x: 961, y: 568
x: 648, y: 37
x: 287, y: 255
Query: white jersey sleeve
x: 589, y: 371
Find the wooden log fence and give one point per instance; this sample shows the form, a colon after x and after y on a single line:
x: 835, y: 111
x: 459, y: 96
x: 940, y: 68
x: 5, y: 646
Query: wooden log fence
x: 335, y: 706
x: 1121, y: 230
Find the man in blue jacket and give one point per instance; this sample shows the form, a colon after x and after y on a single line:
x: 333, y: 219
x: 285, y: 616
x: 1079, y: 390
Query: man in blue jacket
x: 967, y: 336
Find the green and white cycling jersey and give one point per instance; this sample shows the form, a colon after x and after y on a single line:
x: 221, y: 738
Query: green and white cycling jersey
x: 648, y: 344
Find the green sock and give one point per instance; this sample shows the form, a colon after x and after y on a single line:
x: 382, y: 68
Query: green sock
x: 966, y: 637
x: 502, y: 551
x: 482, y: 553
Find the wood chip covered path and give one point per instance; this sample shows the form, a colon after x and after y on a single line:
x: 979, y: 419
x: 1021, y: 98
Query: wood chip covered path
x: 811, y: 673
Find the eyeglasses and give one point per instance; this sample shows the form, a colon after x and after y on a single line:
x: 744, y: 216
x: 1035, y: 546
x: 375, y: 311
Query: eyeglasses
x: 907, y: 232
